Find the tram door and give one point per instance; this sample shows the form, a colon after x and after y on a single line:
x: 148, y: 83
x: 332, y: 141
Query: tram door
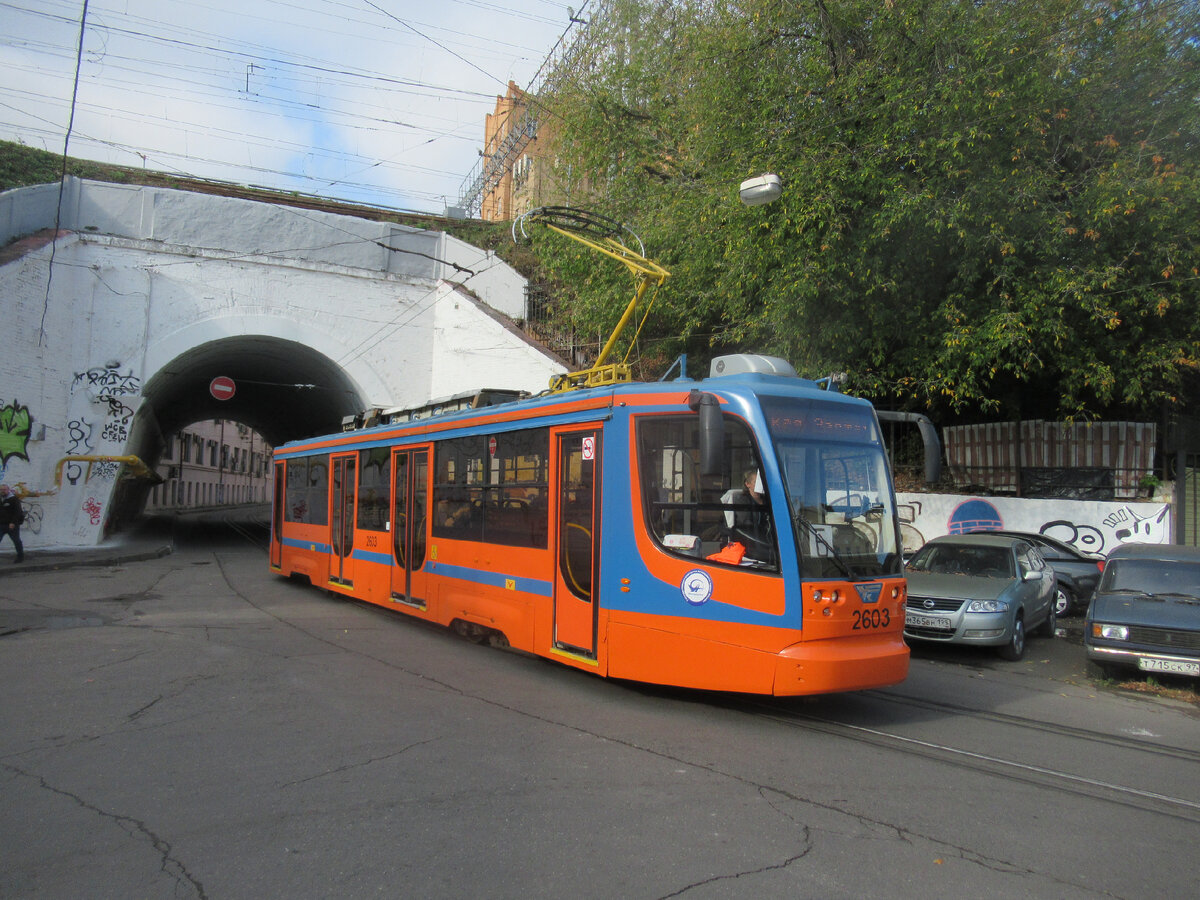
x: 410, y: 475
x: 576, y: 539
x: 277, y: 516
x: 341, y: 523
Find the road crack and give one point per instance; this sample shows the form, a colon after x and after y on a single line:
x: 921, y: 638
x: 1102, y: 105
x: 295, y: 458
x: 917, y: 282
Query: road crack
x: 169, y: 864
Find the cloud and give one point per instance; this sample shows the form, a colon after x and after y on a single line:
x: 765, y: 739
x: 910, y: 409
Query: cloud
x: 378, y: 101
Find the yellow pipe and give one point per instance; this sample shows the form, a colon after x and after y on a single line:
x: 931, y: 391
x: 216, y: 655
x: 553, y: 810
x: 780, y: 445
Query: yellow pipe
x: 137, y: 468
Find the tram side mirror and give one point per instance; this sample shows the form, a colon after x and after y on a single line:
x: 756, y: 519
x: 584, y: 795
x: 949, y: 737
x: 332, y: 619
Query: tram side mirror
x: 712, y: 432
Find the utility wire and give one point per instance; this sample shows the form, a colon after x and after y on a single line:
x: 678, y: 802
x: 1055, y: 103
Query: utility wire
x: 62, y: 181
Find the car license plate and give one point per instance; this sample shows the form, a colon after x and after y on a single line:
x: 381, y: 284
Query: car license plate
x: 1171, y: 666
x: 927, y: 622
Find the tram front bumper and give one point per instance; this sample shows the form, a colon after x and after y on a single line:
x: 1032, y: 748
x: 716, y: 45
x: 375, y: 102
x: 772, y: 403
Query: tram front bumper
x: 841, y: 664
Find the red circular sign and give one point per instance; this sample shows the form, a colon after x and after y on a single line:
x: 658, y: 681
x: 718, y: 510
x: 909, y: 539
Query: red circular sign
x: 222, y: 387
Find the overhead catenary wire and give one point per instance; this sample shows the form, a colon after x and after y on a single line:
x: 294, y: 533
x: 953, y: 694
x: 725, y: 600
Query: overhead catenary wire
x: 199, y: 61
x: 62, y: 179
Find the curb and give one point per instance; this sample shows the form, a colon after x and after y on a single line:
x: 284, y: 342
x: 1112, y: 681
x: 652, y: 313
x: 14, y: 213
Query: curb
x: 68, y: 560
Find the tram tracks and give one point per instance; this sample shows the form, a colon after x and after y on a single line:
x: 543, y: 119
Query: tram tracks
x: 997, y: 765
x: 863, y: 718
x: 1055, y: 728
x: 257, y: 535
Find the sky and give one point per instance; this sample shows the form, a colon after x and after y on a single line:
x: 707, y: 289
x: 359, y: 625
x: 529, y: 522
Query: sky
x: 380, y: 102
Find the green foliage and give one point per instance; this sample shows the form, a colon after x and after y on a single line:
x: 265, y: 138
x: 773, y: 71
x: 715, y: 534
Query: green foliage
x: 21, y: 166
x: 989, y: 208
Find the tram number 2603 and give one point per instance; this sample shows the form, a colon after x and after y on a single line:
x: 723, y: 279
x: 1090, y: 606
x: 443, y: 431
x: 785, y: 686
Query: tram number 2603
x: 871, y: 618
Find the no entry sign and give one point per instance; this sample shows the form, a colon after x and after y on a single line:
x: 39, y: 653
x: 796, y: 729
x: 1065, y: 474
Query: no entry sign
x: 222, y: 387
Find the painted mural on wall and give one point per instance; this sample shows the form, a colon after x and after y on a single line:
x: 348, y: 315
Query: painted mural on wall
x: 1089, y: 526
x: 16, y: 431
x: 16, y: 425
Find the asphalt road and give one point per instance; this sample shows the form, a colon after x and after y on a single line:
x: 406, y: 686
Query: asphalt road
x: 193, y: 726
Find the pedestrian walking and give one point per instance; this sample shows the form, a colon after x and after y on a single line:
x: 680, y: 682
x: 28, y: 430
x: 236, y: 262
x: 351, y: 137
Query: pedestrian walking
x: 11, y: 517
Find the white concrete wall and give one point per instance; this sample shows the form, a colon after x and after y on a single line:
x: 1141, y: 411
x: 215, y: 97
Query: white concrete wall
x: 495, y: 282
x: 147, y: 274
x: 1090, y: 526
x: 27, y: 210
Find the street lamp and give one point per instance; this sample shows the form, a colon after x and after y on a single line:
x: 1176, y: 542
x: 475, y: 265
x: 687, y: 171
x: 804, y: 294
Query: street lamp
x: 761, y: 190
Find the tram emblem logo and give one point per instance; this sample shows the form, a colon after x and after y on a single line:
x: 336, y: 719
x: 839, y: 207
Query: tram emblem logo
x: 696, y: 587
x: 869, y: 593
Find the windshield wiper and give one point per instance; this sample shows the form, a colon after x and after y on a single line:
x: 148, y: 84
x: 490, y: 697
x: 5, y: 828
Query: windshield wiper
x: 833, y: 554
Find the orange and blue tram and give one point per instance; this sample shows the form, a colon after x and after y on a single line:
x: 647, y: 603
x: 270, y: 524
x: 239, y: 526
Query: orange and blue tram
x: 733, y: 533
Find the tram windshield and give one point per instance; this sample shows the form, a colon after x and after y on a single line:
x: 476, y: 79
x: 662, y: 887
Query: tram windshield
x: 839, y: 494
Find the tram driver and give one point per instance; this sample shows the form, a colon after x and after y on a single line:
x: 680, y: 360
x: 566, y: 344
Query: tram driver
x: 747, y: 502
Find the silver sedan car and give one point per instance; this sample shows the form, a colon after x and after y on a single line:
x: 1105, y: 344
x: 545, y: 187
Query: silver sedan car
x: 979, y: 589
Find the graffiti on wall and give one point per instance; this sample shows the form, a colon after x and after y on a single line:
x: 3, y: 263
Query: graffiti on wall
x: 33, y: 517
x: 16, y: 425
x: 109, y: 386
x: 1090, y: 526
x: 104, y: 470
x: 79, y: 438
x: 79, y: 443
x: 106, y: 381
x: 92, y: 507
x: 910, y: 536
x: 1086, y: 538
x: 116, y: 426
x: 1135, y: 529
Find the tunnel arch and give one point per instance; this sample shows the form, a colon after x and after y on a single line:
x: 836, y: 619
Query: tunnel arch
x: 128, y: 300
x: 289, y: 383
x: 284, y: 389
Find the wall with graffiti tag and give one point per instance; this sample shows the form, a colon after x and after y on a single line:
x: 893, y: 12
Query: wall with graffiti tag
x: 1089, y: 526
x: 101, y: 315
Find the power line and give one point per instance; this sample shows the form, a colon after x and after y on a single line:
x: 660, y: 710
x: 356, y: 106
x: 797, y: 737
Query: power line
x: 62, y: 181
x: 209, y: 67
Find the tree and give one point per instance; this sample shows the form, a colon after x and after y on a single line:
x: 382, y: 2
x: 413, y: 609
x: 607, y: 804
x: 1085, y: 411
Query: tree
x: 989, y: 207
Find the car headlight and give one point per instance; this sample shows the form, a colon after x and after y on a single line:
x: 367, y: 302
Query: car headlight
x: 991, y: 606
x: 1110, y: 632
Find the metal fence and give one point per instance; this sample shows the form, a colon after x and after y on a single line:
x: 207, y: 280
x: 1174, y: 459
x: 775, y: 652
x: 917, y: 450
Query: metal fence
x: 1035, y: 458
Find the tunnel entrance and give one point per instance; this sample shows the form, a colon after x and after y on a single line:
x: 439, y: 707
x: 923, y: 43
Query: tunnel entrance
x: 281, y: 389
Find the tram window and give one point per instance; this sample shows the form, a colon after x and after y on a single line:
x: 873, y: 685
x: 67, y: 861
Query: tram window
x: 307, y: 500
x: 493, y: 488
x: 698, y: 515
x: 374, y: 488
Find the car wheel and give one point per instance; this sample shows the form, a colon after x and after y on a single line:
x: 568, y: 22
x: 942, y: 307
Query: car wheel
x: 1063, y: 601
x: 1015, y: 648
x: 1046, y: 629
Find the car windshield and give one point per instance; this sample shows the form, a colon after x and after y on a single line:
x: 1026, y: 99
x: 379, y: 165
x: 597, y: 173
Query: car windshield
x: 959, y: 559
x: 1152, y: 576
